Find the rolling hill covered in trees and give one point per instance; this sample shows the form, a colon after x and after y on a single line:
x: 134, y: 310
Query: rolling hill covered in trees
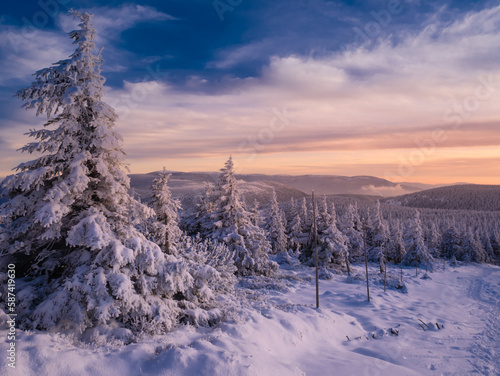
x: 456, y: 197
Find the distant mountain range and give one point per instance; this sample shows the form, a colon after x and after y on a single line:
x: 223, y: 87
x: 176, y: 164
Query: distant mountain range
x: 457, y: 197
x: 187, y: 185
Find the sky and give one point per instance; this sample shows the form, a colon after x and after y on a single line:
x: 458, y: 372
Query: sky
x: 406, y: 90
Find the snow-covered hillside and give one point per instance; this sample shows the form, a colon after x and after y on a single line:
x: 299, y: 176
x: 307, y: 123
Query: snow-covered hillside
x: 258, y: 186
x: 277, y: 331
x: 456, y: 197
x: 187, y: 186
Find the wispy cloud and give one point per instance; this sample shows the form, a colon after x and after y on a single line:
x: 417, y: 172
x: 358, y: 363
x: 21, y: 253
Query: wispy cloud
x: 387, y: 97
x: 111, y: 21
x: 22, y: 54
x: 360, y: 106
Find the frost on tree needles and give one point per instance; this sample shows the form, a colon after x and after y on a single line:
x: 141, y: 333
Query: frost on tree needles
x: 70, y: 225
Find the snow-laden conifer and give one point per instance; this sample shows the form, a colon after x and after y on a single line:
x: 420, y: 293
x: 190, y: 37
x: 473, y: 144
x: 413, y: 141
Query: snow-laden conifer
x: 255, y: 216
x: 275, y: 227
x: 332, y: 243
x: 165, y: 229
x: 377, y: 236
x: 416, y: 250
x: 471, y: 248
x: 70, y: 223
x: 451, y: 243
x: 230, y: 223
x: 352, y: 229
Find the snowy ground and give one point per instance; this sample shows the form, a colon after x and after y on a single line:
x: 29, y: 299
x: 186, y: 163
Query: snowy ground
x: 286, y: 335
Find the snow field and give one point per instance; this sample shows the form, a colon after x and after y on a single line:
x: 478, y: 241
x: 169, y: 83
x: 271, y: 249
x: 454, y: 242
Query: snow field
x: 284, y: 334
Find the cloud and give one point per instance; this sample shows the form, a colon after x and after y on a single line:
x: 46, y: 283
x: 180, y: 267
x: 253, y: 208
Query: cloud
x: 393, y: 96
x: 382, y: 99
x: 110, y: 22
x: 23, y: 51
x: 371, y: 190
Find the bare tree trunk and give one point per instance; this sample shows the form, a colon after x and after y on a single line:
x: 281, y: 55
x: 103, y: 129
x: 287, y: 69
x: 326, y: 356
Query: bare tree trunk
x: 315, y: 250
x: 416, y: 265
x: 167, y: 242
x: 385, y: 275
x: 401, y: 264
x: 366, y: 262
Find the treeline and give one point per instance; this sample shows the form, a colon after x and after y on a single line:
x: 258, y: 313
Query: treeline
x: 456, y: 197
x: 344, y: 226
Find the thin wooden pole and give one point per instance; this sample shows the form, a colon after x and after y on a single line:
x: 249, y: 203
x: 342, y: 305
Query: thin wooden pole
x: 385, y: 274
x: 315, y: 250
x: 366, y: 262
x: 401, y: 265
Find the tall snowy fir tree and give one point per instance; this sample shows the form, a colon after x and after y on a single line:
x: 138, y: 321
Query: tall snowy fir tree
x: 338, y: 241
x: 332, y: 244
x: 351, y: 227
x: 297, y: 240
x: 451, y: 243
x: 69, y: 225
x: 275, y: 227
x: 432, y: 239
x: 204, y: 206
x: 472, y: 249
x: 230, y: 223
x: 165, y: 229
x: 396, y: 246
x: 416, y: 250
x: 255, y: 214
x: 376, y: 237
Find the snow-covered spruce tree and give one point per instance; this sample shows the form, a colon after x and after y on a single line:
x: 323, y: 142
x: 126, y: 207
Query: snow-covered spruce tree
x: 165, y: 230
x: 416, y: 250
x: 209, y: 252
x: 351, y: 227
x: 338, y: 241
x: 255, y: 214
x: 495, y: 243
x: 292, y: 208
x: 471, y: 249
x: 302, y: 213
x: 275, y: 227
x: 377, y: 235
x: 230, y: 223
x: 433, y: 239
x: 298, y: 234
x: 396, y: 246
x: 322, y: 221
x: 195, y: 224
x: 70, y: 221
x: 451, y: 243
x: 488, y: 248
x: 297, y: 240
x: 332, y: 244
